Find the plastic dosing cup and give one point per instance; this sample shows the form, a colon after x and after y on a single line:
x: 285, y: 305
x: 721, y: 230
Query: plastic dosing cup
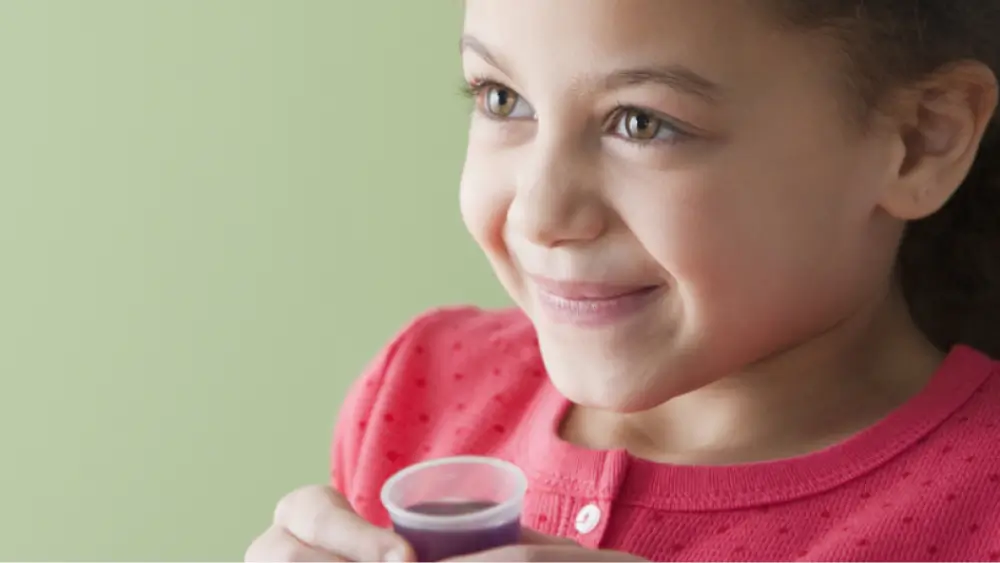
x: 457, y: 505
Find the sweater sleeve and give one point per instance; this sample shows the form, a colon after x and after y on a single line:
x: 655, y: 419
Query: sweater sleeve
x: 352, y: 419
x: 351, y: 436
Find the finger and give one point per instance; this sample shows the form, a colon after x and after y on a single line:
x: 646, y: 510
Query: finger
x: 533, y: 537
x: 278, y: 545
x: 530, y: 554
x: 323, y: 519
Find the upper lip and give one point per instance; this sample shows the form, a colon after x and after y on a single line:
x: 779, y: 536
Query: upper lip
x: 588, y: 290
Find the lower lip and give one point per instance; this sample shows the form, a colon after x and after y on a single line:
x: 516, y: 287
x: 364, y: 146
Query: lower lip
x: 596, y: 312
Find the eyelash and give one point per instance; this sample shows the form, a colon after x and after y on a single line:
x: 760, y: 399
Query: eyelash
x: 474, y: 88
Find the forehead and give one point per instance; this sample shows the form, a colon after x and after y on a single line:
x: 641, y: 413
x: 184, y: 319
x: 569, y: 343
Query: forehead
x: 721, y: 39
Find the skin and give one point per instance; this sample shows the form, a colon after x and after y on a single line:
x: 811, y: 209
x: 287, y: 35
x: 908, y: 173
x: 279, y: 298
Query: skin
x: 770, y: 224
x: 770, y: 218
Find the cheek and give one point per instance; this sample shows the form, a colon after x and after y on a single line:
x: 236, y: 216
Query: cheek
x: 484, y: 200
x: 743, y: 254
x: 692, y: 227
x: 485, y: 196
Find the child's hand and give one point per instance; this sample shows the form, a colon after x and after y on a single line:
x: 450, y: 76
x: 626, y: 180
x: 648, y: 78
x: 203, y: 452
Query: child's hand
x: 539, y: 547
x: 316, y: 523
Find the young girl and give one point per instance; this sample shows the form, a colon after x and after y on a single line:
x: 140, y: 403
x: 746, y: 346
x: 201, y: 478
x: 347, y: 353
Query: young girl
x: 755, y: 247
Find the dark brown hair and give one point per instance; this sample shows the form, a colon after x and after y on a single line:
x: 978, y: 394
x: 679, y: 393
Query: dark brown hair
x: 949, y: 263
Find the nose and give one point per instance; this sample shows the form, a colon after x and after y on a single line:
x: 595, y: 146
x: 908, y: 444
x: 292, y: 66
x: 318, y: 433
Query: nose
x: 557, y: 199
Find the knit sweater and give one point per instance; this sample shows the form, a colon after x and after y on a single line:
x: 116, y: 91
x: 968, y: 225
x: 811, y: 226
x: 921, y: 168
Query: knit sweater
x: 923, y: 484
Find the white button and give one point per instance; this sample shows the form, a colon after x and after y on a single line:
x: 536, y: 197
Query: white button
x: 588, y: 518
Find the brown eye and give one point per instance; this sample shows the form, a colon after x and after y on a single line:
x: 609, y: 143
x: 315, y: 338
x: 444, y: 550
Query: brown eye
x: 499, y: 101
x: 640, y: 126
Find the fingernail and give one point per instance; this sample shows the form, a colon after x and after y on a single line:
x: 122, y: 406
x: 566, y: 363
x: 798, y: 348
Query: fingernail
x: 395, y: 556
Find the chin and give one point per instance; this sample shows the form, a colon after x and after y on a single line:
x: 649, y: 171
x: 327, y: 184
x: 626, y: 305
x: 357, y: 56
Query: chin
x: 615, y: 398
x: 612, y: 388
x: 635, y: 379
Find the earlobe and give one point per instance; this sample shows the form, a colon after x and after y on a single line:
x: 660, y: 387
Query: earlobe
x: 941, y: 139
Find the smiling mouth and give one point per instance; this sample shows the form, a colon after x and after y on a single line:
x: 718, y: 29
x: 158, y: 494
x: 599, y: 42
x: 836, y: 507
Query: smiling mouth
x: 593, y: 304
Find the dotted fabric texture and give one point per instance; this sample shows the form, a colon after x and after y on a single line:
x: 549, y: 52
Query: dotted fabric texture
x: 922, y: 485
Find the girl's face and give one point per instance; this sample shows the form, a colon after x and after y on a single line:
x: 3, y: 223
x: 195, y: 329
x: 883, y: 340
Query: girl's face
x: 670, y: 189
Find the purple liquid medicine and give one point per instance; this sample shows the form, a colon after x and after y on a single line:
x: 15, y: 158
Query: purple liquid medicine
x: 436, y: 545
x: 456, y: 506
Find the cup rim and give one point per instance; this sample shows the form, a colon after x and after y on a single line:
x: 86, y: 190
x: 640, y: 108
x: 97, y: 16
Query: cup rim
x: 403, y: 515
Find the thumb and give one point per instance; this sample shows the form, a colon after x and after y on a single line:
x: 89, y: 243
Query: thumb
x: 391, y: 548
x: 533, y: 537
x: 322, y: 518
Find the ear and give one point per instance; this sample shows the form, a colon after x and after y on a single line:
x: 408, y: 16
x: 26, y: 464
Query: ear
x: 940, y: 133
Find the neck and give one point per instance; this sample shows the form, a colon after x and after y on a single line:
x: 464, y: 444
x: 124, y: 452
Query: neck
x: 801, y: 400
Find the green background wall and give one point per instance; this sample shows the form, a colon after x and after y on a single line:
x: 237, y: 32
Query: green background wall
x: 212, y: 213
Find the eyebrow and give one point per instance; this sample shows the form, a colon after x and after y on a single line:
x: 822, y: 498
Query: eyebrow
x: 470, y: 43
x: 676, y: 77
